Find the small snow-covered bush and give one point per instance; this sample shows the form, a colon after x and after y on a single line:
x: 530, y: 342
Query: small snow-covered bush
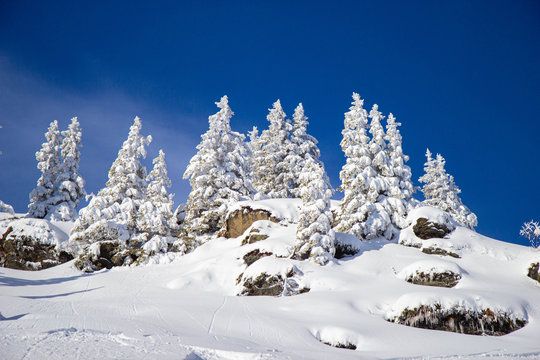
x: 5, y: 208
x: 531, y: 231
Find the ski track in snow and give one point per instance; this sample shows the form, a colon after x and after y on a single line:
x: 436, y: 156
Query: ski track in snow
x: 187, y: 309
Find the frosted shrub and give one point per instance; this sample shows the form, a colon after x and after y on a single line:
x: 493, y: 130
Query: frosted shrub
x: 531, y: 231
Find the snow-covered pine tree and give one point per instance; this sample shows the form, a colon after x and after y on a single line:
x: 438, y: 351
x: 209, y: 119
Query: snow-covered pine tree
x: 376, y: 216
x: 440, y: 191
x: 42, y: 198
x: 70, y: 183
x: 219, y: 173
x: 156, y: 212
x: 270, y: 168
x: 355, y: 145
x: 400, y: 188
x: 302, y: 146
x: 112, y: 213
x: 314, y: 236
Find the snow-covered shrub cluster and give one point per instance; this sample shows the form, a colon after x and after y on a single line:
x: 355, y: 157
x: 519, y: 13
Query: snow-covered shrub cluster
x: 6, y: 208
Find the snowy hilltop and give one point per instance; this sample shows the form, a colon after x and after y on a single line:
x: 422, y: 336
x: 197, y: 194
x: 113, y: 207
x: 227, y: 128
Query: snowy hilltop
x: 261, y: 262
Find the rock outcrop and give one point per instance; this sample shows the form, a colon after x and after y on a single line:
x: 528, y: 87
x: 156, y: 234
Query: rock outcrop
x: 31, y: 244
x: 283, y: 280
x: 426, y: 229
x: 534, y: 271
x: 459, y: 320
x: 447, y: 279
x: 238, y: 221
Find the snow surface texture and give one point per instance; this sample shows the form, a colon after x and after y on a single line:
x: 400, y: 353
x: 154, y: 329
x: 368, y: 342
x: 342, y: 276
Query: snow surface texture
x: 185, y: 307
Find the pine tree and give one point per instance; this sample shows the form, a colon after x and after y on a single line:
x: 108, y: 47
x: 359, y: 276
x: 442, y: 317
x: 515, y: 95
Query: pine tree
x: 376, y: 216
x: 219, y: 173
x: 112, y: 213
x: 302, y: 146
x: 71, y: 184
x: 314, y: 236
x: 270, y: 168
x: 440, y: 191
x: 400, y: 187
x: 43, y: 197
x: 156, y: 213
x: 355, y: 145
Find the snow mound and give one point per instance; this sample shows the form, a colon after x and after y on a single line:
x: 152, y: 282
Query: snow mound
x: 40, y: 230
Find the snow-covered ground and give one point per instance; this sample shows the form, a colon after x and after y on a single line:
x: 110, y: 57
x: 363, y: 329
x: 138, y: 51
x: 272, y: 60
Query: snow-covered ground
x: 185, y: 307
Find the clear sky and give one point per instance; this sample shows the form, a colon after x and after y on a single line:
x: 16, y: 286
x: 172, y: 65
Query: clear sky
x: 463, y: 77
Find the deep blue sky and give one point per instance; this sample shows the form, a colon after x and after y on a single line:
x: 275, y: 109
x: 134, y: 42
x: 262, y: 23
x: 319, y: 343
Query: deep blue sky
x: 463, y: 77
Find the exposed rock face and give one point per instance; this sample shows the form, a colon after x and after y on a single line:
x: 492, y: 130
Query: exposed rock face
x: 26, y: 250
x: 254, y: 236
x: 425, y: 229
x: 339, y: 345
x: 255, y: 255
x: 443, y: 279
x: 485, y: 322
x: 106, y: 254
x: 534, y: 271
x: 263, y: 285
x: 266, y: 284
x: 438, y: 251
x: 343, y: 250
x: 240, y: 220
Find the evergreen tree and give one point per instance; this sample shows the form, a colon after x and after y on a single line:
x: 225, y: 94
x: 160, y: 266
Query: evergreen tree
x: 440, y: 191
x: 156, y: 213
x: 302, y: 146
x: 43, y: 197
x: 355, y: 145
x: 219, y: 173
x: 400, y: 187
x: 112, y: 213
x: 270, y: 168
x: 314, y: 236
x: 376, y: 216
x: 71, y: 184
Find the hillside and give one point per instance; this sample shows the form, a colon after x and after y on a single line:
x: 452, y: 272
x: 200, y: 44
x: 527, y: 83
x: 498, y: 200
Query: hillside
x: 188, y: 306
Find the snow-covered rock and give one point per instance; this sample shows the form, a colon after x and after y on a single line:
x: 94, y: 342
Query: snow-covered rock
x: 32, y: 244
x: 433, y: 272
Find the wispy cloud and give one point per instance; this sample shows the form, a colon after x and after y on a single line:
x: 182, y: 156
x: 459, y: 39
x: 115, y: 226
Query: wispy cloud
x: 28, y: 105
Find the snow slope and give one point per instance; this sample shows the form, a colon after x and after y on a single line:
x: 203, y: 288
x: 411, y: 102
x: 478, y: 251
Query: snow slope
x: 185, y: 307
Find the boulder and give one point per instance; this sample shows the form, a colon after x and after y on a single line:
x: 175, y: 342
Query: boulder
x: 534, y: 271
x: 254, y: 255
x: 107, y: 254
x: 272, y: 277
x: 238, y: 221
x: 426, y: 229
x: 459, y: 320
x: 31, y: 244
x: 439, y: 251
x: 253, y: 236
x: 446, y: 279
